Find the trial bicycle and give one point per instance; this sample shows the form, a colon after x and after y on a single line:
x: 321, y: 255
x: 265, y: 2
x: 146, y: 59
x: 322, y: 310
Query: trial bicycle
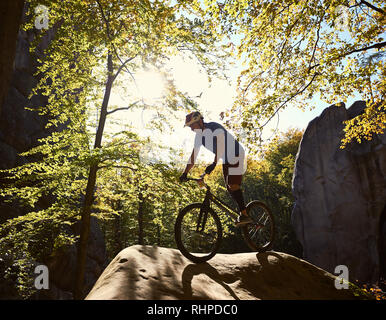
x: 198, y: 229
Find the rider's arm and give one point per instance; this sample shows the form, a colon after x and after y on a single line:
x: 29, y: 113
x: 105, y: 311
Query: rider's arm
x: 196, y: 149
x: 190, y: 162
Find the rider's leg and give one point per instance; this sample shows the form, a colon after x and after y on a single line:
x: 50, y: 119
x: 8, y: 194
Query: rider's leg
x: 237, y: 194
x: 233, y: 184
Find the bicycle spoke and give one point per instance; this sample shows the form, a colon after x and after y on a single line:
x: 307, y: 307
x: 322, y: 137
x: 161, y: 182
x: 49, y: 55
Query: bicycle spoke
x: 199, y: 231
x: 254, y: 230
x: 259, y: 234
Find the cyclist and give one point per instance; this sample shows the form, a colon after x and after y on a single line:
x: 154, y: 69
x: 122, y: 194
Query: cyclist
x: 214, y: 137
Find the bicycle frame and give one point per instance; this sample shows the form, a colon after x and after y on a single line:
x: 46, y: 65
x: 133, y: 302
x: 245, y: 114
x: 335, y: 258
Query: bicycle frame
x: 210, y: 197
x: 230, y: 211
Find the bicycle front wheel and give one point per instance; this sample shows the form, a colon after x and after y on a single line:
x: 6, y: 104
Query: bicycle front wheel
x: 198, y: 233
x: 259, y: 235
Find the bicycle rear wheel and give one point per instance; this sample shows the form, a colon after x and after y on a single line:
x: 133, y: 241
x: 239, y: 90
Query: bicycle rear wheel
x: 260, y: 234
x: 198, y: 235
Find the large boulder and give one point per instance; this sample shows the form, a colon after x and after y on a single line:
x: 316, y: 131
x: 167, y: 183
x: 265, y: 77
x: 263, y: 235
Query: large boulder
x: 157, y: 273
x: 340, y: 197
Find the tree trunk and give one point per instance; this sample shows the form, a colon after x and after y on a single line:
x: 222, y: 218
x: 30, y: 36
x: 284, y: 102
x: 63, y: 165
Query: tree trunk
x: 89, y: 197
x: 140, y: 219
x: 158, y: 235
x: 117, y: 230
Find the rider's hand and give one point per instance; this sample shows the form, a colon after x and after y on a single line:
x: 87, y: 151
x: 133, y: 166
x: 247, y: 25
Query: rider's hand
x: 183, y: 177
x: 210, y: 168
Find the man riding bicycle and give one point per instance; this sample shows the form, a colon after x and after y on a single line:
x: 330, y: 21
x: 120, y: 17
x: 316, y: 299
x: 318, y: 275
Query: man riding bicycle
x: 214, y: 137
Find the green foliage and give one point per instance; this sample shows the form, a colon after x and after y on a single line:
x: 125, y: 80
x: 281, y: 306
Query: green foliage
x: 93, y: 43
x: 295, y: 50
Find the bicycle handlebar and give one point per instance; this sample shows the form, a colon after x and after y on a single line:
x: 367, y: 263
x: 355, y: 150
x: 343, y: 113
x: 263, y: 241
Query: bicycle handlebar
x: 193, y: 179
x: 201, y: 179
x: 197, y: 179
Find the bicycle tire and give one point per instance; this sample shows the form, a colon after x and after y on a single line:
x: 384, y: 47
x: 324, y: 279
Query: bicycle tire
x: 259, y: 236
x: 189, y: 251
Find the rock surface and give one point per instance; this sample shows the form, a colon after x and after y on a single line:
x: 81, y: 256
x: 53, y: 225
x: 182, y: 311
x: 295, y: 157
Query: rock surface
x: 157, y: 273
x: 10, y: 18
x: 20, y: 128
x: 340, y: 197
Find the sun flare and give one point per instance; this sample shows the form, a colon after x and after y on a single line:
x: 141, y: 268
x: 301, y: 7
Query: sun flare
x: 151, y: 85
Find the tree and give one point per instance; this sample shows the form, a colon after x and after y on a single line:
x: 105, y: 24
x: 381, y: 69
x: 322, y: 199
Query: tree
x: 294, y: 50
x: 120, y: 36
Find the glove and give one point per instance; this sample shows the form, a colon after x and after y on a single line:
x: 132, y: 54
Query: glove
x: 183, y: 177
x: 210, y: 168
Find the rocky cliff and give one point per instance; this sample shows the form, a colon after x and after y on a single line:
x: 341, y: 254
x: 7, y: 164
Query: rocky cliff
x: 10, y: 18
x: 150, y: 272
x: 340, y: 197
x: 21, y: 128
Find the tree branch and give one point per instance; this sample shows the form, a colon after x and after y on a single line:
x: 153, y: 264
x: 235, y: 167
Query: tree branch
x: 104, y: 19
x: 123, y: 64
x: 123, y: 108
x: 314, y: 50
x: 290, y: 98
x: 109, y: 35
x: 374, y: 46
x: 372, y: 6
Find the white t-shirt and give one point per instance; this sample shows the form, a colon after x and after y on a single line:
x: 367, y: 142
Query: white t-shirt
x: 216, y: 137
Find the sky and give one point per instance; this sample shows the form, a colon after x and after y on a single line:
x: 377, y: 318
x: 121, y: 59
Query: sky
x: 215, y: 98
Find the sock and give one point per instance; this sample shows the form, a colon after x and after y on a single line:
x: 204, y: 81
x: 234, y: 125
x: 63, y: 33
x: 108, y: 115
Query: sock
x: 237, y: 195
